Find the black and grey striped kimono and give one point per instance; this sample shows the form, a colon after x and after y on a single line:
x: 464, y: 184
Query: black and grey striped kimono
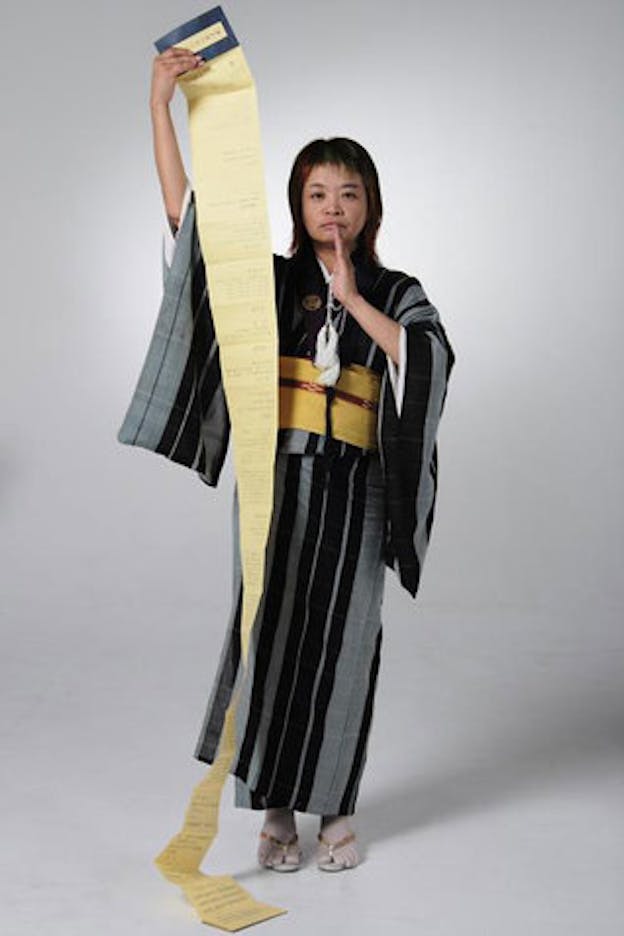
x: 341, y: 515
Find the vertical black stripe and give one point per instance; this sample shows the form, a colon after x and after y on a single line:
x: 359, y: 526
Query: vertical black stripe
x: 266, y: 628
x: 201, y: 464
x: 434, y: 476
x: 311, y: 444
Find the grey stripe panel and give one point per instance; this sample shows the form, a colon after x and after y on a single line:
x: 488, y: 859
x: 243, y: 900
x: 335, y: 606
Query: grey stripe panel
x: 157, y: 387
x: 349, y: 808
x: 242, y: 794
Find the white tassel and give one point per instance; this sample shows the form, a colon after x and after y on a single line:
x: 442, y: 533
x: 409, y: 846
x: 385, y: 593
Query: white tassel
x: 326, y: 357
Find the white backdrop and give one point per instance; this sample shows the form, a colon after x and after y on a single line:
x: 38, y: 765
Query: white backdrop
x: 497, y: 132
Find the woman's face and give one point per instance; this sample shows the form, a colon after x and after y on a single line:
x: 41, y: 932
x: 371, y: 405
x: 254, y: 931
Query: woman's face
x: 334, y: 195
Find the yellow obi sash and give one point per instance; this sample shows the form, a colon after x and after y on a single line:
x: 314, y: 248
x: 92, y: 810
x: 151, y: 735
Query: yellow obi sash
x: 303, y: 401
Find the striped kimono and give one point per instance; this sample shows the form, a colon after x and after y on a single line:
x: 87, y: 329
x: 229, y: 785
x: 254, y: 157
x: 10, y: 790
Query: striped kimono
x: 341, y: 516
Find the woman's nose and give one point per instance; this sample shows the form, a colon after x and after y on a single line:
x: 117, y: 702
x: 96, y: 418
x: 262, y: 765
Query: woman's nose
x: 333, y: 208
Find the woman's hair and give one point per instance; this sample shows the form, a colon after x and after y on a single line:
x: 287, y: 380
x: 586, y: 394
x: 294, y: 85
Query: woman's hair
x: 338, y: 151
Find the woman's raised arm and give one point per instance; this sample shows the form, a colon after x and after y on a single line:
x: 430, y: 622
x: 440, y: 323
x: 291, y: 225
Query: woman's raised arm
x: 167, y: 66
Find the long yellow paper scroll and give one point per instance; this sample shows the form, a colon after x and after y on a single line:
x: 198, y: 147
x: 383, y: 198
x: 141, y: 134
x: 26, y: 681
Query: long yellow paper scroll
x: 234, y: 236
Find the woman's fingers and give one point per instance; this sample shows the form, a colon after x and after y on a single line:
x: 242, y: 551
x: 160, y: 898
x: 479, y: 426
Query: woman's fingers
x: 177, y: 60
x: 338, y: 242
x: 167, y: 67
x: 181, y: 55
x: 174, y: 52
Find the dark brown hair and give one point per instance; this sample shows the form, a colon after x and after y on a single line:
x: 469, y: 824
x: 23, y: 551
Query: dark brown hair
x: 338, y: 151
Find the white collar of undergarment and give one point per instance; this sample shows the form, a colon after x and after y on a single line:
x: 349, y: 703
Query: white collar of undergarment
x: 324, y: 269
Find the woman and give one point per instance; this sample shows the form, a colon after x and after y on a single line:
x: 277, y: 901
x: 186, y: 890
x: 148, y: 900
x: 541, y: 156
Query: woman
x: 352, y: 496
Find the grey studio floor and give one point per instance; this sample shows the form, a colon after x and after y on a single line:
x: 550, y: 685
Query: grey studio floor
x: 491, y: 801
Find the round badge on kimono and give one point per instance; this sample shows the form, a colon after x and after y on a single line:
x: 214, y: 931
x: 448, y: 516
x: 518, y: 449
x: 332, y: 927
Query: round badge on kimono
x: 311, y: 303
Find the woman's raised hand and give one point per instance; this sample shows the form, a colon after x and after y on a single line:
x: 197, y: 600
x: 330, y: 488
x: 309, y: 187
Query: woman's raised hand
x: 167, y: 66
x: 344, y: 284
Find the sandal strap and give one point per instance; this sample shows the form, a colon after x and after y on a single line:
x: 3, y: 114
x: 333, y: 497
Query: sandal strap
x: 332, y: 845
x: 276, y: 841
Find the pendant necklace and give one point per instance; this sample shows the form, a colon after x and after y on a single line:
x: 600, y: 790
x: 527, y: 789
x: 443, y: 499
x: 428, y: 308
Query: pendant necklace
x: 326, y: 358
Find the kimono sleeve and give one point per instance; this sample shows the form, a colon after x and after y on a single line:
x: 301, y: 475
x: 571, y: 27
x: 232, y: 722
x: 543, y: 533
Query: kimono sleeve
x: 408, y: 436
x: 396, y: 374
x: 178, y: 408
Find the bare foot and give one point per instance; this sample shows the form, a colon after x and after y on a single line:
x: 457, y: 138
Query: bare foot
x: 279, y: 844
x: 336, y: 849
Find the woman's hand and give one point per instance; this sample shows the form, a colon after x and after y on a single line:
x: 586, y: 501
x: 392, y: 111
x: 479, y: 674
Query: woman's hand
x: 344, y: 286
x: 167, y: 66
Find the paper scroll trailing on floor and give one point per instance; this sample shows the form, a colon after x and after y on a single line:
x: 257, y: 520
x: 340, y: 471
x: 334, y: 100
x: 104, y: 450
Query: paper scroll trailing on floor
x: 233, y: 230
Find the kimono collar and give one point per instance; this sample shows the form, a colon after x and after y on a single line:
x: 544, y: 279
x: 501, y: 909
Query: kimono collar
x: 312, y: 274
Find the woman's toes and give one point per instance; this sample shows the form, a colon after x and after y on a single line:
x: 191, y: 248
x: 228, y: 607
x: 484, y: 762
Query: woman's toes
x: 293, y: 856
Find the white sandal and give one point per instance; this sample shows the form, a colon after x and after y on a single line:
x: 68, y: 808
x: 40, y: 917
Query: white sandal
x: 329, y: 863
x: 281, y: 864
